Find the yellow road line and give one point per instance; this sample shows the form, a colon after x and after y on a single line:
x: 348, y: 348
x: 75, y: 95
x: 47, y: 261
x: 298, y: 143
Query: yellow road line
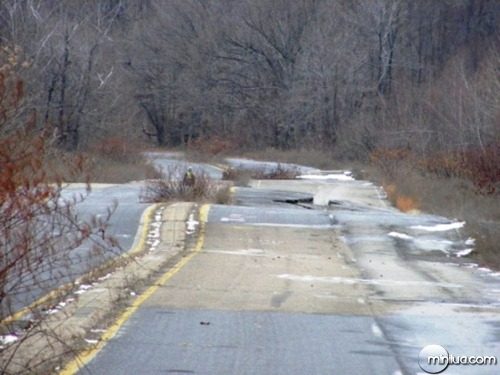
x: 137, y: 247
x: 148, y: 217
x: 86, y: 356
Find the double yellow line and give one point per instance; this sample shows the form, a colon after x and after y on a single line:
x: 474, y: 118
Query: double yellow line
x: 87, y: 355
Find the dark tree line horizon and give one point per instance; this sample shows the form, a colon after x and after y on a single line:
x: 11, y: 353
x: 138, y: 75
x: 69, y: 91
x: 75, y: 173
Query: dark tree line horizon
x: 351, y: 76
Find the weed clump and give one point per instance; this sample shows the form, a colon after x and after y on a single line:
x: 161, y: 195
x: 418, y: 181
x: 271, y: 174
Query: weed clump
x: 172, y: 187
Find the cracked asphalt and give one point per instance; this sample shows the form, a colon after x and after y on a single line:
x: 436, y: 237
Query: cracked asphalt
x: 338, y: 284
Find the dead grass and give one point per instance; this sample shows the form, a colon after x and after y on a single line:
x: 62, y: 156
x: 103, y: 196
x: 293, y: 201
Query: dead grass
x: 223, y: 195
x: 117, y: 160
x: 112, y: 161
x: 112, y: 171
x: 171, y: 187
x: 102, y: 169
x: 242, y: 176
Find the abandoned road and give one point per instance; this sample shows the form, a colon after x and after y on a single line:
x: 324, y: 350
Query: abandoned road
x: 313, y: 276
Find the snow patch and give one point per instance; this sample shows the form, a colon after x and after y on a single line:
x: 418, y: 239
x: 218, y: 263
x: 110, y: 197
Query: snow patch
x: 8, y: 339
x: 153, y: 244
x: 243, y: 252
x: 346, y: 176
x: 154, y: 228
x: 282, y: 225
x: 440, y: 227
x: 433, y: 244
x: 191, y: 224
x: 464, y: 253
x: 484, y: 270
x: 377, y: 332
x: 470, y: 265
x: 83, y: 288
x: 470, y: 241
x: 233, y: 218
x: 403, y: 236
x: 154, y: 231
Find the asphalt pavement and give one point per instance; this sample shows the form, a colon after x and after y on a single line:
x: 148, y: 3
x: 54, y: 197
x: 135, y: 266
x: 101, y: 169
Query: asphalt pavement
x: 314, y: 276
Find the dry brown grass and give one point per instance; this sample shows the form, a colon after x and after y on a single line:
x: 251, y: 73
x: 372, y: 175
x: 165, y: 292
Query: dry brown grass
x: 170, y: 187
x: 101, y: 169
x: 243, y: 175
x: 403, y: 202
x: 117, y: 160
x: 240, y: 177
x: 223, y: 195
x: 112, y: 171
x: 110, y: 161
x: 479, y: 166
x: 214, y: 145
x: 406, y: 203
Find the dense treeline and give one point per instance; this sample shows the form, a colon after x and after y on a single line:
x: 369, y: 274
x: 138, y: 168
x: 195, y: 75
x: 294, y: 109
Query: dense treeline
x: 352, y: 76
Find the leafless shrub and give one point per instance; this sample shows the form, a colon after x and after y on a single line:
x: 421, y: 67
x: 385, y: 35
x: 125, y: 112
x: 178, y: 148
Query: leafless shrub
x: 281, y: 172
x: 240, y: 177
x: 172, y: 187
x: 223, y: 194
x: 480, y: 166
x: 40, y: 231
